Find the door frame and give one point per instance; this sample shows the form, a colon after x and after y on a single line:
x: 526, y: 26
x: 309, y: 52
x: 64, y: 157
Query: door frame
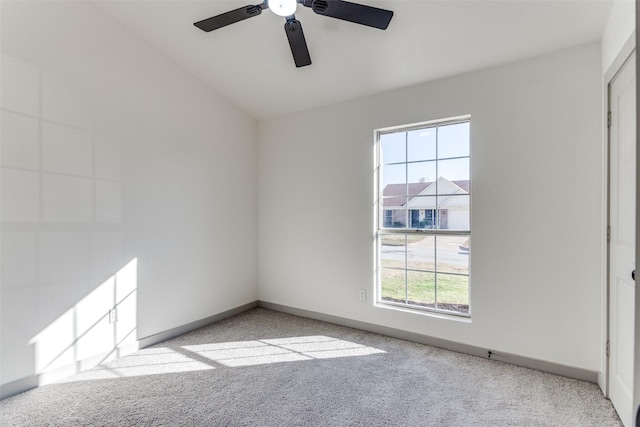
x: 636, y: 385
x: 618, y: 63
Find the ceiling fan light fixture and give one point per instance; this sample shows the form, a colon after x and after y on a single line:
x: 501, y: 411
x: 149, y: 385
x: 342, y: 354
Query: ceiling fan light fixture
x: 283, y: 7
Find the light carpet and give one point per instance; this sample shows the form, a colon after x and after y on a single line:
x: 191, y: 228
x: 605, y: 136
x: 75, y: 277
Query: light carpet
x: 265, y: 368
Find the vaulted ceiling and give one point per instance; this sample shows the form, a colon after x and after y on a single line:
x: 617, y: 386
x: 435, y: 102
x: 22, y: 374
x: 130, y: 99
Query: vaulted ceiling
x: 250, y: 62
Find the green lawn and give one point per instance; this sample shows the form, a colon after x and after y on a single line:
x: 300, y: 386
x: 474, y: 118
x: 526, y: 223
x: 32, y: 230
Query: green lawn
x: 425, y: 266
x: 421, y: 287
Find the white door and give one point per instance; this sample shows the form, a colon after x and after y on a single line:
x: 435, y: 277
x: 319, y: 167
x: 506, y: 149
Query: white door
x: 622, y: 190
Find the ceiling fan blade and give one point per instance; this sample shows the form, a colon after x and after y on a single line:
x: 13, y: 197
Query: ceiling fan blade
x: 298, y: 44
x: 352, y: 12
x: 230, y: 17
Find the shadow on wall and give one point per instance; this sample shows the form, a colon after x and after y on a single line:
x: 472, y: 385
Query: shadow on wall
x: 100, y: 327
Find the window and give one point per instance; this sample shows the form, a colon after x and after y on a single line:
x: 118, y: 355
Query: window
x: 423, y: 216
x: 388, y: 218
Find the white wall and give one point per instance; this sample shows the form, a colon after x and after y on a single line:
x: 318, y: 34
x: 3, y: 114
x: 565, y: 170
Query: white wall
x: 620, y: 26
x: 536, y: 206
x: 113, y: 156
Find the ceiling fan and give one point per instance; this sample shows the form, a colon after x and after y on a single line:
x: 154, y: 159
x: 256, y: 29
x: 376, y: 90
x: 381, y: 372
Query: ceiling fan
x: 339, y: 9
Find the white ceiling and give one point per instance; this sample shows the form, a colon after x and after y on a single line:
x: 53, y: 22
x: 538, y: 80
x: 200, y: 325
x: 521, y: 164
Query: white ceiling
x: 250, y: 62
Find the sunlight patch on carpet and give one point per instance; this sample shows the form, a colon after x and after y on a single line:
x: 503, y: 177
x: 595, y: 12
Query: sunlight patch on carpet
x: 200, y: 357
x: 150, y: 361
x: 258, y: 352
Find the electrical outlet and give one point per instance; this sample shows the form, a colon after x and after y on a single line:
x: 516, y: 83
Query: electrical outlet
x: 113, y: 315
x: 363, y: 295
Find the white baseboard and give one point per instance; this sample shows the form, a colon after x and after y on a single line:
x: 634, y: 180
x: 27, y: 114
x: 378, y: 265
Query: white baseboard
x: 174, y: 332
x: 541, y: 365
x: 18, y: 386
x: 27, y: 383
x: 53, y: 375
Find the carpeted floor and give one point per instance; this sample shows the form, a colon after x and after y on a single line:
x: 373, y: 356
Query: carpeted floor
x: 264, y: 368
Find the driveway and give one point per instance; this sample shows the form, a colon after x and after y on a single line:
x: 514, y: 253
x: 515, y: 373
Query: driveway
x: 449, y: 251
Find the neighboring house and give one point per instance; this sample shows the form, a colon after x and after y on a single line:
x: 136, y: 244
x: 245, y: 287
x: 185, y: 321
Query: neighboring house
x: 441, y: 204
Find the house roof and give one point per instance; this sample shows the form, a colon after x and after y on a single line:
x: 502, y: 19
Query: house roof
x: 463, y: 184
x: 397, y: 192
x: 394, y: 194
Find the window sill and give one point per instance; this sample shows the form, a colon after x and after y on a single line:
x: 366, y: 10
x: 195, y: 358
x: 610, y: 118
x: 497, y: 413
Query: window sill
x: 463, y: 318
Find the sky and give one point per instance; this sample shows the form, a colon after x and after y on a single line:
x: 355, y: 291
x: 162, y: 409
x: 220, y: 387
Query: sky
x: 420, y: 148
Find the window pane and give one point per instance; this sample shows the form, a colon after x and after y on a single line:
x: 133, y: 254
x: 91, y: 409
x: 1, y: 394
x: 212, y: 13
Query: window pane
x: 420, y: 288
x: 453, y: 140
x: 393, y: 148
x: 393, y: 216
x: 380, y: 214
x: 396, y: 176
x: 420, y: 176
x: 421, y: 253
x: 387, y: 217
x: 453, y: 212
x: 421, y: 212
x: 393, y: 285
x: 394, y: 200
x: 452, y: 253
x: 392, y: 250
x: 453, y: 293
x: 454, y: 170
x: 421, y: 144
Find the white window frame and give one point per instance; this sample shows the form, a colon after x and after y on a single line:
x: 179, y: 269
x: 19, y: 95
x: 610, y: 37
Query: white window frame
x: 379, y: 215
